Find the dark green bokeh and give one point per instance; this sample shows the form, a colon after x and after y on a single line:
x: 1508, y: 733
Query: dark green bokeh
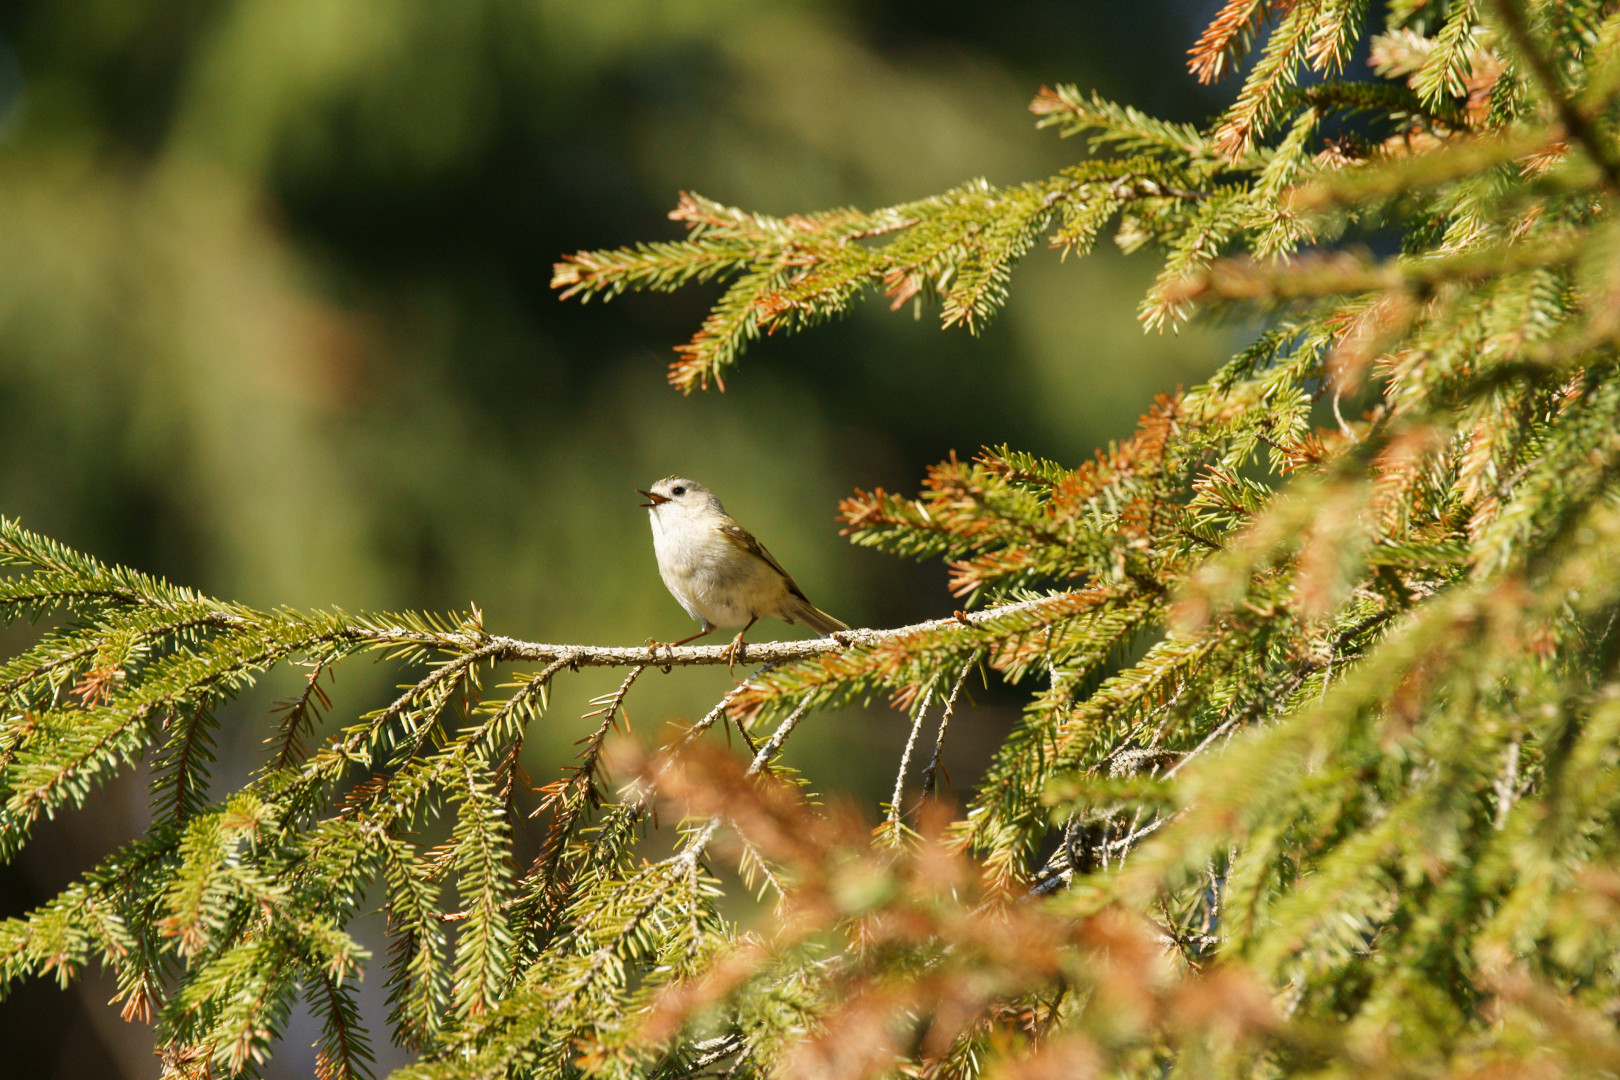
x: 274, y: 322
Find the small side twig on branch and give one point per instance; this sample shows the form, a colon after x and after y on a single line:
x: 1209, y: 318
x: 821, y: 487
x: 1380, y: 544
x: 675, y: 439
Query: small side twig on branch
x: 930, y: 773
x: 905, y: 760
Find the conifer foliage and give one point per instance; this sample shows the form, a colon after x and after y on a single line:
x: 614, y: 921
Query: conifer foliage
x: 1317, y: 771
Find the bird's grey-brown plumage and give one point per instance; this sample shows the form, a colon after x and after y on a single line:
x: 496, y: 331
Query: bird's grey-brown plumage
x: 715, y: 568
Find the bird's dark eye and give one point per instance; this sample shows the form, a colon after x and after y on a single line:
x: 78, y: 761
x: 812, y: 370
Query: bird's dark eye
x: 677, y: 491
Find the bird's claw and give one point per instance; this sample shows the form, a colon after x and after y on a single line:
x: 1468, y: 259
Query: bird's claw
x: 734, y: 652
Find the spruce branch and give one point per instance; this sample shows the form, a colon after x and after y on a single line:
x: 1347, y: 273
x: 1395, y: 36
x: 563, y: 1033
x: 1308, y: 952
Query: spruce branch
x: 1317, y: 667
x: 302, y: 714
x: 345, y: 1052
x: 1225, y: 41
x: 1322, y: 276
x: 1574, y: 120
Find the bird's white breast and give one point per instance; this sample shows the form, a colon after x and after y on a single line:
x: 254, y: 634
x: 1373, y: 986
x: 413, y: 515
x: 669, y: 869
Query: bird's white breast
x: 706, y: 571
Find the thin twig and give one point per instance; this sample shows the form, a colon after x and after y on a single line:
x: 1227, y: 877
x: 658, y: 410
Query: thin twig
x: 1343, y: 427
x: 748, y: 740
x: 879, y: 230
x: 695, y: 922
x: 1295, y: 680
x: 694, y: 848
x: 764, y: 867
x: 1221, y: 729
x: 714, y: 1050
x: 1053, y: 883
x: 536, y: 686
x: 778, y: 737
x: 298, y: 714
x: 930, y: 773
x: 719, y: 710
x: 639, y: 795
x: 1130, y: 839
x: 905, y: 760
x: 698, y: 842
x: 1060, y: 876
x: 683, y: 861
x: 454, y: 668
x: 612, y: 703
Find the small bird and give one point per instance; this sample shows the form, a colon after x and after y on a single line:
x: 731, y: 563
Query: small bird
x: 720, y: 574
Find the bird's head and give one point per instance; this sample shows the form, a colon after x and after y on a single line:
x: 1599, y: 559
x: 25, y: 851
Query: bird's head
x: 677, y: 492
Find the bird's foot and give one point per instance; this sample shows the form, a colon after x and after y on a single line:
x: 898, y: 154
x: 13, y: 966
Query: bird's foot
x: 653, y: 645
x: 735, y: 652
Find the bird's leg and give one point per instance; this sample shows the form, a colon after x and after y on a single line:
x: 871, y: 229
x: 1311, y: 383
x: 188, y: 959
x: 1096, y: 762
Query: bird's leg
x: 735, y: 649
x: 653, y: 645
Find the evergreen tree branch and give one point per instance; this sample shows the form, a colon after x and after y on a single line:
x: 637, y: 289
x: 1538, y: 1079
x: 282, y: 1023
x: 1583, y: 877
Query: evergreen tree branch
x: 1318, y: 667
x: 1574, y: 120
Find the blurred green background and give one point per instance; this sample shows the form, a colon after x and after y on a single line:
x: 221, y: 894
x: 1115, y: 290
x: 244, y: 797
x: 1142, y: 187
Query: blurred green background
x: 274, y: 322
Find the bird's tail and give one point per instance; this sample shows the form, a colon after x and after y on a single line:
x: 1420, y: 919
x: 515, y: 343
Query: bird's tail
x: 815, y: 618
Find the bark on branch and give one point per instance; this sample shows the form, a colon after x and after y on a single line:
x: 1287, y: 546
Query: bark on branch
x: 502, y: 649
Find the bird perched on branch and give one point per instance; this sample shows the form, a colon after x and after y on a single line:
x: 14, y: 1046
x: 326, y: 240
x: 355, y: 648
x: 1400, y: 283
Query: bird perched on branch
x: 720, y: 574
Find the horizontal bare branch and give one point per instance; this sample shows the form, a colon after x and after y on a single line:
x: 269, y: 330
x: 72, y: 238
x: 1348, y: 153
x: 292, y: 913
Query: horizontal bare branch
x: 503, y: 649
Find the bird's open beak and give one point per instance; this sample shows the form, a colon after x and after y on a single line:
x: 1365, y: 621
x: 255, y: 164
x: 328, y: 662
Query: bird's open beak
x: 656, y: 499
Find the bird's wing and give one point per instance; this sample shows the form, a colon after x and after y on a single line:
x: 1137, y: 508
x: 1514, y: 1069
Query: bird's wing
x: 745, y: 540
